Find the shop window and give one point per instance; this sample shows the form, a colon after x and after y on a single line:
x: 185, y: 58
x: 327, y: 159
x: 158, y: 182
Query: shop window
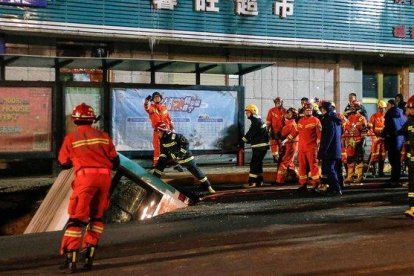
x: 378, y: 86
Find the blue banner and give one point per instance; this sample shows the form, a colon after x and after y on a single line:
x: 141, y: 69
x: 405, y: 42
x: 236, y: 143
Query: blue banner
x: 30, y: 3
x: 207, y: 118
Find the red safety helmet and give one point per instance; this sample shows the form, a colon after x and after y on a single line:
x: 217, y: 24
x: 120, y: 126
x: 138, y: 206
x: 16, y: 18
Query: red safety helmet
x: 410, y: 103
x: 161, y: 126
x: 307, y: 105
x: 84, y: 113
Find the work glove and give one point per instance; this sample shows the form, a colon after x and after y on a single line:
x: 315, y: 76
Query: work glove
x: 148, y: 98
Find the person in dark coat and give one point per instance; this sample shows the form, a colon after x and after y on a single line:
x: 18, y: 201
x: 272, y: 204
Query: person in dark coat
x: 258, y: 137
x: 408, y: 131
x: 330, y: 147
x: 352, y: 98
x: 399, y: 101
x: 394, y: 121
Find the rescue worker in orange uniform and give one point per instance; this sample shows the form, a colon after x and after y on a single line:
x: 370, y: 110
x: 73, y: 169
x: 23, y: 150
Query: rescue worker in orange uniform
x: 354, y: 135
x: 275, y: 122
x: 376, y: 126
x: 309, y: 128
x: 92, y: 155
x: 289, y: 136
x: 258, y: 137
x: 157, y: 112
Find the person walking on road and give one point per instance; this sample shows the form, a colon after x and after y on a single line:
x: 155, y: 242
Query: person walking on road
x: 330, y: 148
x: 175, y: 147
x: 92, y: 155
x: 258, y: 137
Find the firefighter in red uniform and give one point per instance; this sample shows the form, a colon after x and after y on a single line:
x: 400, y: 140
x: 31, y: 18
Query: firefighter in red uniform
x: 157, y: 112
x: 275, y: 122
x: 354, y: 135
x: 92, y: 155
x: 309, y: 128
x: 376, y: 126
x: 289, y: 145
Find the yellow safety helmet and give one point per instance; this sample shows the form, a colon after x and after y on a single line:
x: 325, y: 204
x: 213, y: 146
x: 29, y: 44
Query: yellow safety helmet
x: 382, y: 104
x: 333, y: 104
x: 252, y: 108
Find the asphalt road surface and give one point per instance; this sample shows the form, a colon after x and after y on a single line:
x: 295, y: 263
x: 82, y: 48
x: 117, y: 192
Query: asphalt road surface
x: 254, y: 233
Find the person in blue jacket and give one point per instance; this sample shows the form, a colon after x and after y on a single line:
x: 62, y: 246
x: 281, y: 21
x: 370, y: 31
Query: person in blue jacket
x: 394, y: 121
x: 330, y: 147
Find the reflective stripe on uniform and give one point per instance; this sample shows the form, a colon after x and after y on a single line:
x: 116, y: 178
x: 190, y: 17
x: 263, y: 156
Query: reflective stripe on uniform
x: 90, y: 142
x: 410, y: 194
x: 260, y: 145
x: 97, y: 229
x: 168, y: 145
x: 157, y: 171
x: 74, y: 234
x: 244, y: 139
x: 253, y: 175
x: 204, y: 179
x: 185, y: 160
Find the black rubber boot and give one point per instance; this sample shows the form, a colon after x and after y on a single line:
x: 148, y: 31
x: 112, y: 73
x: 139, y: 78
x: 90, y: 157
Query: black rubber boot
x: 89, y: 257
x: 381, y: 168
x: 71, y: 258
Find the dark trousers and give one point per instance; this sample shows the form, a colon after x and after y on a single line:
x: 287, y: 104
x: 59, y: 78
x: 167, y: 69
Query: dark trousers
x: 330, y: 170
x: 256, y: 165
x: 411, y: 183
x: 395, y: 162
x: 339, y: 166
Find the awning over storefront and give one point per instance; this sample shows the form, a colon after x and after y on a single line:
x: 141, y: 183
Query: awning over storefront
x: 169, y: 66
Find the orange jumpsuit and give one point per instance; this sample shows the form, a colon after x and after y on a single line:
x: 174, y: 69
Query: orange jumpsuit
x: 275, y: 120
x: 157, y: 112
x: 343, y: 148
x: 289, y: 132
x: 377, y: 123
x: 309, y: 136
x: 91, y: 153
x: 353, y: 136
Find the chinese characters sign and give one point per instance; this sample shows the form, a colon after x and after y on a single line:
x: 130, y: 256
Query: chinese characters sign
x: 30, y: 3
x: 25, y: 119
x: 400, y: 31
x: 282, y: 8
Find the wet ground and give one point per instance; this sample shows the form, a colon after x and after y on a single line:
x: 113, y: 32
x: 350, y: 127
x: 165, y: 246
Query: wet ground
x: 277, y: 232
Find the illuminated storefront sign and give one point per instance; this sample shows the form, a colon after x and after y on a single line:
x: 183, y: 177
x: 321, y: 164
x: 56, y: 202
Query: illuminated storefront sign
x: 25, y: 119
x: 30, y: 3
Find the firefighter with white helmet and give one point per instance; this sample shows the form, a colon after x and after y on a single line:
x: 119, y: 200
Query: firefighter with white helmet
x: 92, y: 155
x: 175, y: 147
x: 258, y: 137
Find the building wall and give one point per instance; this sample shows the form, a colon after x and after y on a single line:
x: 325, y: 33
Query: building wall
x: 291, y: 80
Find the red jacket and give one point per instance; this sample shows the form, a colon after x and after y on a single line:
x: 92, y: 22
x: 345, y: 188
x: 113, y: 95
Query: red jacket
x: 87, y: 148
x: 275, y: 117
x: 158, y: 113
x: 309, y: 133
x: 354, y: 128
x: 290, y: 131
x: 377, y: 123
